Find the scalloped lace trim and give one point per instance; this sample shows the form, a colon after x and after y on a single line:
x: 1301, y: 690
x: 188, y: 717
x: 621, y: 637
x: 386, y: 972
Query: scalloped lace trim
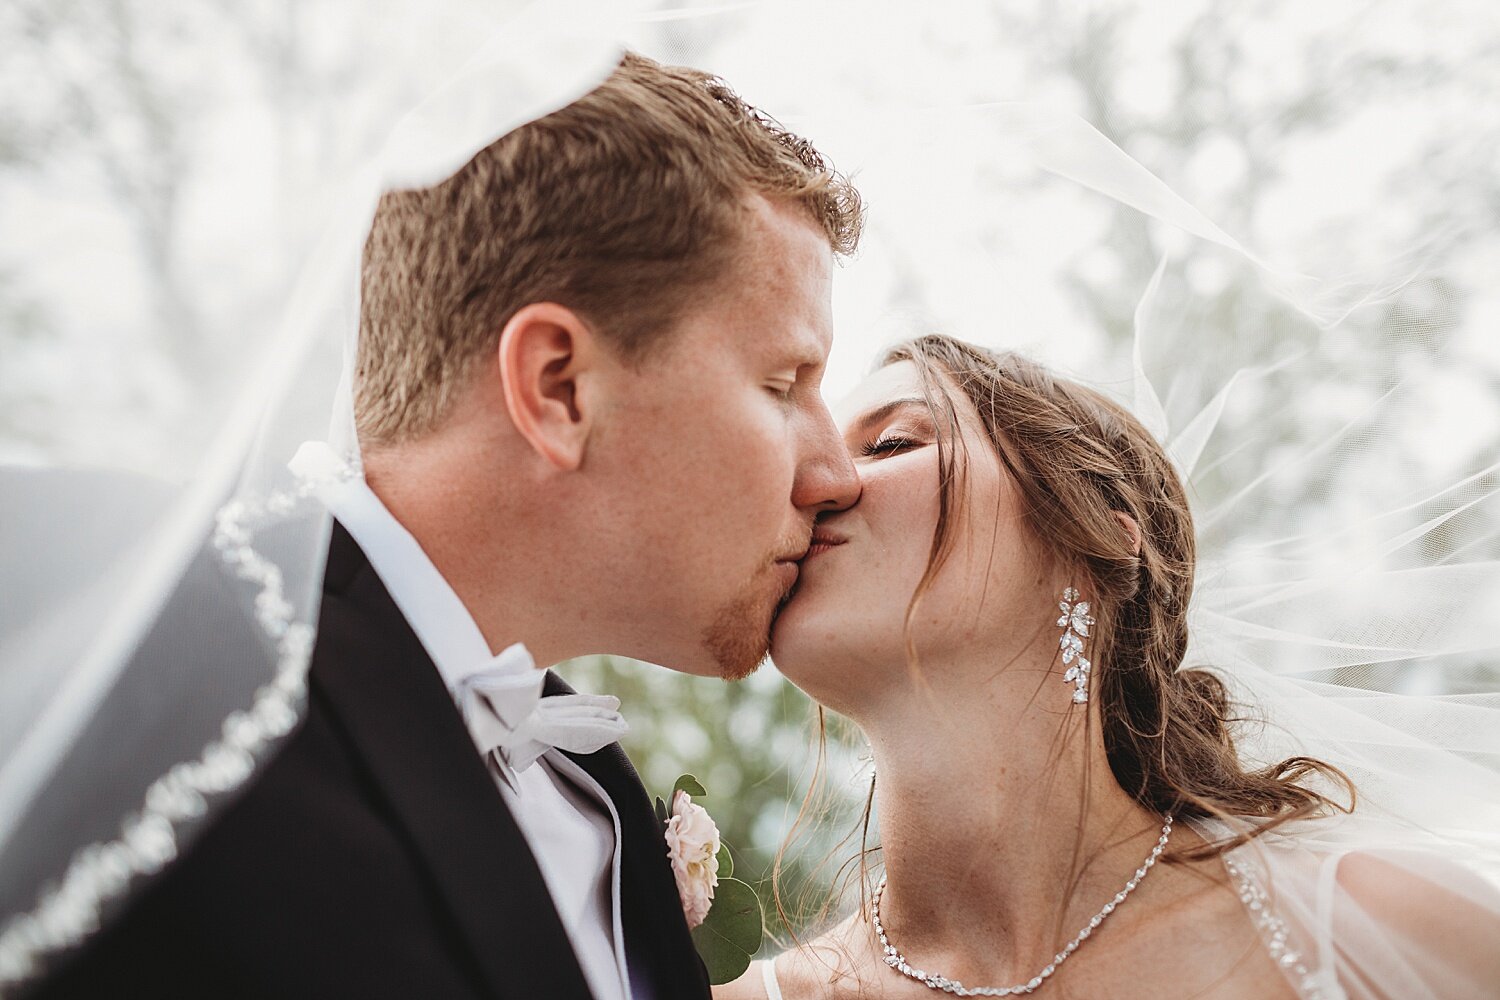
x: 69, y: 910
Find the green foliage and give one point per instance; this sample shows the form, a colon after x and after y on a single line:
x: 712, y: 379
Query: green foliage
x: 750, y: 743
x: 731, y: 933
x: 730, y: 936
x: 688, y: 783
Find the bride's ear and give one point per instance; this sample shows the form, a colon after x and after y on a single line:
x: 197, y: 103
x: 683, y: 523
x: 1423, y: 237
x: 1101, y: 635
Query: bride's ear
x: 547, y: 357
x: 1132, y: 530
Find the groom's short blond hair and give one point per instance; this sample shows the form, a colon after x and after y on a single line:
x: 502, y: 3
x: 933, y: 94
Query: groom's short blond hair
x: 624, y: 206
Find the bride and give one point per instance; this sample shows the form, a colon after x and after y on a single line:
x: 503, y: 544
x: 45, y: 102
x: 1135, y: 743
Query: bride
x: 1062, y: 810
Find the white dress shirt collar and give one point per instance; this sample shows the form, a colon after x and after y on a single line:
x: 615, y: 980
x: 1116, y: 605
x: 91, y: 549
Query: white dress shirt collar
x: 435, y: 613
x: 537, y: 798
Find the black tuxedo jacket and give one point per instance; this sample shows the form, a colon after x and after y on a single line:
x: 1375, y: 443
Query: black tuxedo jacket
x: 373, y: 856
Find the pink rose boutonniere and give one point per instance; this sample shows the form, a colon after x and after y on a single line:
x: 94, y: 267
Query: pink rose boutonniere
x: 693, y: 845
x: 722, y: 912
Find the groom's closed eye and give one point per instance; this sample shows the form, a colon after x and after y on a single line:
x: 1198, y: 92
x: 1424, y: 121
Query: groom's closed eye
x: 787, y: 380
x: 781, y: 385
x: 802, y: 360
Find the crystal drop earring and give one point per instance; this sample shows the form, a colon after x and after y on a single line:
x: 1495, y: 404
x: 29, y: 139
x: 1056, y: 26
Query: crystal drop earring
x: 1075, y: 623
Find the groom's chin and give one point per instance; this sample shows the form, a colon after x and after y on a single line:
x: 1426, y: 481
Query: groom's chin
x: 739, y: 640
x: 738, y: 652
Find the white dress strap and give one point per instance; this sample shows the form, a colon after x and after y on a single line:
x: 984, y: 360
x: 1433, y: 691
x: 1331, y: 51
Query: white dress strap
x: 768, y: 978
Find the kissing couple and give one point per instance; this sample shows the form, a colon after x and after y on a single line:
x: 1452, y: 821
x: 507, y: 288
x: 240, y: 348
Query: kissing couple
x: 587, y: 398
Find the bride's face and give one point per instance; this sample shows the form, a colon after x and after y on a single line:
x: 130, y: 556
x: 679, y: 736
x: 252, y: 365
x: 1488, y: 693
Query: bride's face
x: 843, y: 637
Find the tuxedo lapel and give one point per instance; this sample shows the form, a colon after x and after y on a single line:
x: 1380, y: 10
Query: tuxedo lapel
x: 656, y: 932
x: 384, y: 690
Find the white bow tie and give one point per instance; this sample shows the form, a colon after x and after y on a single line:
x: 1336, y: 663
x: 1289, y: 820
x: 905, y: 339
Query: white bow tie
x: 505, y: 711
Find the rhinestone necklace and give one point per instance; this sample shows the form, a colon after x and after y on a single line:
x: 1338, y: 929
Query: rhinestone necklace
x: 932, y: 980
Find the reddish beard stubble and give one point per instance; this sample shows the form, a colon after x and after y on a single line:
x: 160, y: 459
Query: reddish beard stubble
x: 740, y: 637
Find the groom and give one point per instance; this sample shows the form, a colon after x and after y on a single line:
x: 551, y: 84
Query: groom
x: 587, y: 400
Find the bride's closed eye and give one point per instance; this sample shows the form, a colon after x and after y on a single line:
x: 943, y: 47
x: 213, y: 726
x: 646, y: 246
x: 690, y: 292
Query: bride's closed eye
x: 889, y: 444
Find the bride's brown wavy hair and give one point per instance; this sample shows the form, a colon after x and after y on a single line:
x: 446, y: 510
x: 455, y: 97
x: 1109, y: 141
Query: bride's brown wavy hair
x: 1078, y: 461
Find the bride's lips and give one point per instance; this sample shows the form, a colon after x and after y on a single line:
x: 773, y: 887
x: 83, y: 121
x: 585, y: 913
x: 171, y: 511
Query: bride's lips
x: 822, y: 541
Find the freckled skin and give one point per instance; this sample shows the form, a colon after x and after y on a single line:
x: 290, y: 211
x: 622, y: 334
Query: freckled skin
x: 731, y: 452
x: 659, y: 513
x: 984, y: 765
x: 845, y: 629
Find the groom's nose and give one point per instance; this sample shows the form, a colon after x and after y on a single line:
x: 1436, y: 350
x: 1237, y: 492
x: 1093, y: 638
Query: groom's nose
x: 826, y: 479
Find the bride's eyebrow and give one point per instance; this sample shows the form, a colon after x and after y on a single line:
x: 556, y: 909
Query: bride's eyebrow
x: 884, y: 410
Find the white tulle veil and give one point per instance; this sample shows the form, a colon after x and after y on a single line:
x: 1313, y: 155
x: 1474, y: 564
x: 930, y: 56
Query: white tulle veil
x: 1337, y: 626
x: 103, y: 557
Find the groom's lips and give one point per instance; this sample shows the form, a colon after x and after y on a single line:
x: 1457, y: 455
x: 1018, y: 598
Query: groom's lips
x: 789, y: 567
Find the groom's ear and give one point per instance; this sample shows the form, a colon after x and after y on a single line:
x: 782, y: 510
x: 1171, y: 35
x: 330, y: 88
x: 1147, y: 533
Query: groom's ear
x: 547, y: 352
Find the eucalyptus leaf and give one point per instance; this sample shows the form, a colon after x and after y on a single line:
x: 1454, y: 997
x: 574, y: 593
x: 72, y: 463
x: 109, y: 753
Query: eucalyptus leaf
x: 731, y: 934
x: 726, y: 863
x: 661, y: 811
x: 688, y: 783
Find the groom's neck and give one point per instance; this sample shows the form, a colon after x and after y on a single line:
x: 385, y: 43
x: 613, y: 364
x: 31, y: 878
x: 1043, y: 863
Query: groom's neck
x: 504, y: 553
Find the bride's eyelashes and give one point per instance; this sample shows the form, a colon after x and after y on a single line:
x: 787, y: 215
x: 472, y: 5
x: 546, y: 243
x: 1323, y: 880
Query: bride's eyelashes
x: 889, y: 444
